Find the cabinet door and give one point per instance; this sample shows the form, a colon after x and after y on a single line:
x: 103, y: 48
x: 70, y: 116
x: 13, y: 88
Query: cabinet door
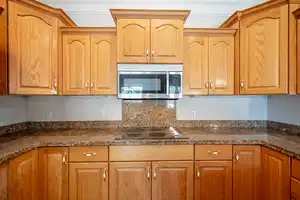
x: 264, y: 52
x: 3, y: 181
x: 195, y: 70
x: 246, y: 172
x: 166, y: 41
x: 88, y: 181
x: 221, y: 65
x: 213, y: 180
x: 53, y: 173
x: 23, y: 177
x: 3, y: 48
x: 130, y: 180
x: 103, y: 66
x: 133, y: 38
x: 76, y: 64
x: 32, y: 51
x: 172, y: 180
x: 276, y: 175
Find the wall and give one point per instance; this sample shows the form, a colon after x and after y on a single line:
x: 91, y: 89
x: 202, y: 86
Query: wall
x: 285, y: 109
x: 13, y: 109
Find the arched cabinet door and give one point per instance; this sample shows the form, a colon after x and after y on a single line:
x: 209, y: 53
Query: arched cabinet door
x: 32, y: 51
x: 166, y: 41
x: 264, y: 52
x: 133, y: 40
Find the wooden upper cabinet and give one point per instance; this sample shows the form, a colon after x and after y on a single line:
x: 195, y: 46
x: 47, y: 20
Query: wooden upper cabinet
x: 276, y: 175
x: 3, y: 181
x: 195, y: 70
x: 32, y: 51
x: 221, y: 65
x: 172, y: 180
x: 133, y: 36
x: 247, y: 172
x: 103, y: 64
x: 76, y: 64
x: 53, y: 173
x: 297, y: 50
x: 88, y: 181
x: 264, y: 51
x: 213, y: 180
x: 166, y: 41
x: 23, y: 177
x: 130, y: 180
x: 149, y: 36
x: 3, y: 47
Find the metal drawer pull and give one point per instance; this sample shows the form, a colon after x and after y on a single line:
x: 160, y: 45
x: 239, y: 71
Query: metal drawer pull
x: 198, y: 171
x: 64, y: 159
x: 213, y: 153
x: 154, y: 173
x: 148, y: 173
x: 89, y: 154
x: 237, y: 156
x: 104, y: 174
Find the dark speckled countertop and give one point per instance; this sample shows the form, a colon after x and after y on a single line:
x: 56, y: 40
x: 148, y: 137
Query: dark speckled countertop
x: 12, y: 145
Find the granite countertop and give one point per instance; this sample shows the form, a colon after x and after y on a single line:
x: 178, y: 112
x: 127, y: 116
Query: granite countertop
x: 13, y: 145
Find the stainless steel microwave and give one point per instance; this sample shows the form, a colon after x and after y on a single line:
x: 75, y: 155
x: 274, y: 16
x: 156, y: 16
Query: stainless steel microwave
x: 149, y: 81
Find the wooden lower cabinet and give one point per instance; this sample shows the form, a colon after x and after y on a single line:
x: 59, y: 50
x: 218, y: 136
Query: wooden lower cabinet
x: 247, y: 172
x: 3, y: 181
x: 23, y: 177
x: 276, y: 175
x: 130, y: 180
x: 213, y: 180
x: 172, y: 180
x: 88, y: 181
x: 53, y: 173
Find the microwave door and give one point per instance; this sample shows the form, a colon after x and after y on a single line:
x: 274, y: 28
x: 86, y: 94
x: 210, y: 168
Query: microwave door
x: 142, y: 85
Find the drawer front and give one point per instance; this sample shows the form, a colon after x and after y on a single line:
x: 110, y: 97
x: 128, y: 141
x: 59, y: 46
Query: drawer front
x: 88, y: 154
x: 213, y: 152
x: 296, y: 169
x: 295, y: 188
x: 151, y: 152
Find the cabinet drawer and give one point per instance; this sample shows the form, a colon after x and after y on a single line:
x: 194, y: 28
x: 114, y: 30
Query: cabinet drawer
x: 213, y: 152
x: 295, y: 188
x: 296, y: 169
x: 151, y: 152
x: 88, y: 154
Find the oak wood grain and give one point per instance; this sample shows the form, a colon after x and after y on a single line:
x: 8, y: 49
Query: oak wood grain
x: 3, y: 47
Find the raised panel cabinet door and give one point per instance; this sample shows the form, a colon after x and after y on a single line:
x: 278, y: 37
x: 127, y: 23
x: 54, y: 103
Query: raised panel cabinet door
x: 195, y: 70
x: 130, y: 181
x: 247, y: 172
x: 3, y: 47
x: 53, y: 173
x: 221, y: 65
x: 33, y: 41
x: 298, y: 54
x: 88, y: 181
x: 133, y: 40
x: 76, y: 64
x: 166, y: 41
x: 213, y: 180
x: 3, y: 181
x: 264, y: 52
x: 276, y: 175
x: 172, y: 180
x: 23, y: 177
x: 103, y: 64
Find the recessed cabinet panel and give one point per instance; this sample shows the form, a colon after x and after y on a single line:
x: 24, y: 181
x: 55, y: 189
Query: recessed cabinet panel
x: 32, y: 51
x: 172, y: 180
x: 133, y: 38
x: 221, y: 65
x: 264, y: 54
x: 130, y: 180
x: 76, y: 64
x: 195, y: 65
x: 103, y: 64
x: 166, y: 41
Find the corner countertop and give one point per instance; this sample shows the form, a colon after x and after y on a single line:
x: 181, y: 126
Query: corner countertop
x: 15, y: 144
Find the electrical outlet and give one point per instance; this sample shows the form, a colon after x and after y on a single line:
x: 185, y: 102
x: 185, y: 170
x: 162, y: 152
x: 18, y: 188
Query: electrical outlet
x: 194, y: 113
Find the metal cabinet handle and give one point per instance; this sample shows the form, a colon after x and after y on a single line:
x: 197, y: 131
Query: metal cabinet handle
x: 93, y: 85
x: 89, y: 154
x: 237, y: 156
x: 213, y: 153
x: 206, y: 84
x: 198, y: 172
x: 87, y: 84
x: 64, y: 159
x: 104, y: 173
x: 153, y: 53
x: 54, y: 88
x: 1, y: 10
x: 148, y: 173
x: 147, y: 54
x: 154, y: 173
x: 211, y: 86
x: 242, y: 84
